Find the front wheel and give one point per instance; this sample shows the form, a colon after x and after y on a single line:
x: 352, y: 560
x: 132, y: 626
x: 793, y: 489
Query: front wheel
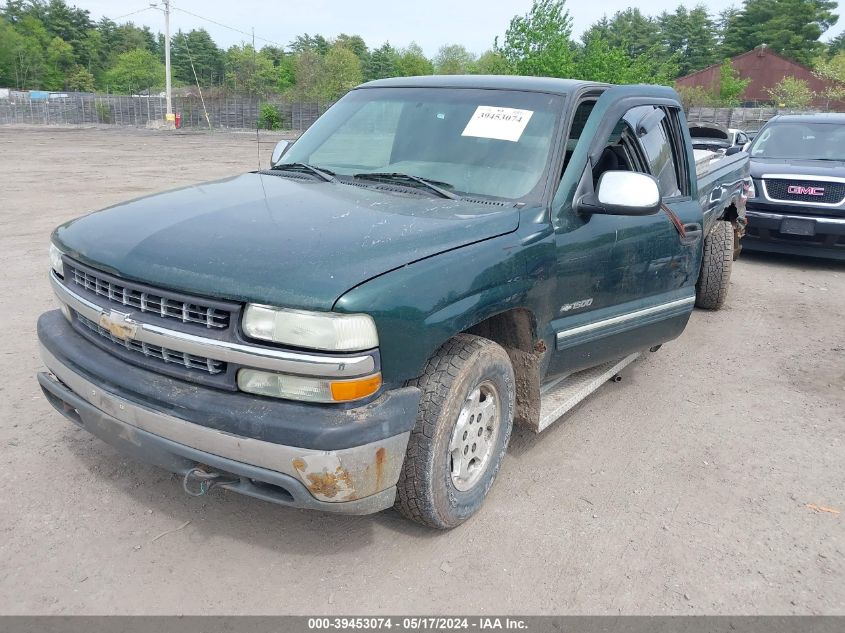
x: 463, y: 428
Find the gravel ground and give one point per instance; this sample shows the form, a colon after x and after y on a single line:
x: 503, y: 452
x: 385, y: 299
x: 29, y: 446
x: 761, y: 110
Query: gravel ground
x: 687, y: 488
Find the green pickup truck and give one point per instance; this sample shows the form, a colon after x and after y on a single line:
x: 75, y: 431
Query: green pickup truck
x: 361, y: 325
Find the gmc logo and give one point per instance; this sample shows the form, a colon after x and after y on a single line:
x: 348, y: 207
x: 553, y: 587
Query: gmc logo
x: 798, y: 190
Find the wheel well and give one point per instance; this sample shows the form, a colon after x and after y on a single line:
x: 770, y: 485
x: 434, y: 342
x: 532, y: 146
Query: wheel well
x: 731, y: 213
x: 516, y: 331
x: 512, y: 329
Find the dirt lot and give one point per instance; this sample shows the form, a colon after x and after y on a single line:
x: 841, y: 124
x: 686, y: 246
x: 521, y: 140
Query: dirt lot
x: 682, y: 489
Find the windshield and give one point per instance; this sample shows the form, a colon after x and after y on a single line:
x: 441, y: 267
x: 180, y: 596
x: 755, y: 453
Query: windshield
x: 483, y: 142
x: 821, y: 141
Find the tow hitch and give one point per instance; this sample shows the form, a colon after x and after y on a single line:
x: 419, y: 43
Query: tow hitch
x: 198, y: 482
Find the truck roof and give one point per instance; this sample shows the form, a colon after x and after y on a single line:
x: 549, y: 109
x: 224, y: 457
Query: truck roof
x: 513, y: 82
x: 488, y: 82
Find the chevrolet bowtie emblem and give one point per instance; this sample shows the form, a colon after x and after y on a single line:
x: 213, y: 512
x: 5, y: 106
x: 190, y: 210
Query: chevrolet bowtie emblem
x: 118, y: 325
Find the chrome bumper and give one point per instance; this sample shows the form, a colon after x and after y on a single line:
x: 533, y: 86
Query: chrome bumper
x: 356, y: 480
x: 768, y: 215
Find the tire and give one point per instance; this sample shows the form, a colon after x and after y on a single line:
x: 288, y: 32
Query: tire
x: 711, y: 289
x: 437, y: 487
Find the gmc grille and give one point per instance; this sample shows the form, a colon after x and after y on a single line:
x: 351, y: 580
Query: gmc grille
x: 810, y: 191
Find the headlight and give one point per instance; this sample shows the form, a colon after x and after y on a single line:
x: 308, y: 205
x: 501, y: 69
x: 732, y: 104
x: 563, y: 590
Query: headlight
x: 56, y: 260
x: 267, y: 383
x: 328, y: 331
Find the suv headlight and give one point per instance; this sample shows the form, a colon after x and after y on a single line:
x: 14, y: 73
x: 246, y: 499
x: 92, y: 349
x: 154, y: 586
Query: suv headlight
x: 56, y: 260
x: 326, y: 331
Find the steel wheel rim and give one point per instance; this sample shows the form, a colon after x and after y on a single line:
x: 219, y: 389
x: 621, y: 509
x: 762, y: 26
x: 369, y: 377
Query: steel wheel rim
x: 474, y: 436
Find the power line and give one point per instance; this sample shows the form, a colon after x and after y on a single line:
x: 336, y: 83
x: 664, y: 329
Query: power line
x: 120, y: 17
x: 226, y: 26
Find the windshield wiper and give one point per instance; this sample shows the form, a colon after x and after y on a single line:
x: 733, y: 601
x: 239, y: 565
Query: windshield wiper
x: 322, y: 174
x: 407, y: 179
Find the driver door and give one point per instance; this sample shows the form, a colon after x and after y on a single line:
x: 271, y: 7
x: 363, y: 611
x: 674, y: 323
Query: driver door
x: 624, y: 283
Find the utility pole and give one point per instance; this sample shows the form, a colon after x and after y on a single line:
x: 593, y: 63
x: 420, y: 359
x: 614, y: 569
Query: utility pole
x: 169, y: 116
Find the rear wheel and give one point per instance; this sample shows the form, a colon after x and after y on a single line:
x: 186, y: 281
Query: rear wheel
x: 716, y: 264
x: 463, y: 428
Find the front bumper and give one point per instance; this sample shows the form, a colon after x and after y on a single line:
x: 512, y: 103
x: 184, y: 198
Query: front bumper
x: 177, y: 426
x: 764, y: 233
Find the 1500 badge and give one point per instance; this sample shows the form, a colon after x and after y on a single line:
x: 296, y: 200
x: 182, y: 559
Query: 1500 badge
x: 576, y: 305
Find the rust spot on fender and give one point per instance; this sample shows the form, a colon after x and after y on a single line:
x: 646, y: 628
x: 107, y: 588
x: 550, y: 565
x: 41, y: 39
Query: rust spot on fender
x: 381, y: 459
x: 328, y: 484
x: 299, y: 464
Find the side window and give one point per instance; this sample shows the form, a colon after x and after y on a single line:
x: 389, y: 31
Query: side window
x: 656, y: 146
x: 579, y: 120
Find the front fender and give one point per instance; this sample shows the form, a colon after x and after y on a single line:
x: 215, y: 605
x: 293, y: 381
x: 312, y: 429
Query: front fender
x: 419, y: 307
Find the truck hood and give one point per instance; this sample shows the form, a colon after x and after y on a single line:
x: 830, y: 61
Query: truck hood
x: 273, y: 239
x: 796, y: 167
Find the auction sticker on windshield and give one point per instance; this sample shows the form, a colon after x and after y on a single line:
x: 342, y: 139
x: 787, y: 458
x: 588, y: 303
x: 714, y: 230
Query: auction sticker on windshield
x: 504, y: 124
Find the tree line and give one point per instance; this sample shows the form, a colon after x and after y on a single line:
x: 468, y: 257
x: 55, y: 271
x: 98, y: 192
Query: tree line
x: 51, y: 45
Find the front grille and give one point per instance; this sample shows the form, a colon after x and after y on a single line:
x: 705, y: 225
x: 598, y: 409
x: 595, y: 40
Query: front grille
x: 810, y: 191
x: 146, y: 299
x: 189, y: 361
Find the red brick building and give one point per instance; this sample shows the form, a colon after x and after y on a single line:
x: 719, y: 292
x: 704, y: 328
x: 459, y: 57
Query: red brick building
x: 764, y: 67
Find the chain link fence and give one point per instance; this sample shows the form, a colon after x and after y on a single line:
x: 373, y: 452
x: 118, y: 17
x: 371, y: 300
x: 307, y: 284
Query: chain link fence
x: 139, y: 111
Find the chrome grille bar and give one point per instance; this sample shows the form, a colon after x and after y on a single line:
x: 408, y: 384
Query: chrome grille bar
x: 190, y: 361
x: 186, y: 312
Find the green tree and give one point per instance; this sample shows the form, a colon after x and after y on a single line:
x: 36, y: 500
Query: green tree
x: 597, y: 60
x: 197, y: 46
x: 80, y: 79
x: 382, y: 62
x: 248, y: 71
x: 453, y: 59
x: 492, y: 63
x: 836, y: 45
x: 792, y: 93
x: 412, y: 62
x: 789, y: 27
x: 135, y: 71
x: 697, y: 96
x: 308, y: 70
x: 306, y: 42
x: 71, y: 24
x: 630, y: 31
x: 286, y: 72
x: 341, y: 73
x: 538, y: 43
x: 60, y: 60
x: 22, y: 62
x: 354, y: 43
x: 691, y: 35
x: 832, y: 72
x: 731, y: 86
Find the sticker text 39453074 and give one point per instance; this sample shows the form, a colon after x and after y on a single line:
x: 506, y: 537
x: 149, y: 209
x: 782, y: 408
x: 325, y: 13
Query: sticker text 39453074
x: 504, y: 124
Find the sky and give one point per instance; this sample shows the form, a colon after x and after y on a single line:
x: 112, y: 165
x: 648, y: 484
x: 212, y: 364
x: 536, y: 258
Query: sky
x: 430, y: 23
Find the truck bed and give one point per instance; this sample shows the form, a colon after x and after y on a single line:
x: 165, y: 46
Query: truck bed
x: 721, y: 180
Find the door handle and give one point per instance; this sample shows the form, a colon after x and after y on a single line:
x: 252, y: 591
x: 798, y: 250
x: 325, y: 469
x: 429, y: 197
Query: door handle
x: 692, y: 233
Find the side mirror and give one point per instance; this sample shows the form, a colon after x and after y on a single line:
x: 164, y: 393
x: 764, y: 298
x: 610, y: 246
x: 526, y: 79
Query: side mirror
x: 278, y: 151
x: 623, y: 193
x: 736, y: 149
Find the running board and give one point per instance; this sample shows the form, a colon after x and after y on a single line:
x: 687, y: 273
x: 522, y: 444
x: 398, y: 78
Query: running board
x: 562, y: 395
